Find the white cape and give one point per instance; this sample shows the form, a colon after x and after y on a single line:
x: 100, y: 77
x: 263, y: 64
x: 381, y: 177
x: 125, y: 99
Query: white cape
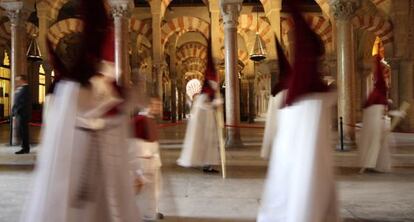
x: 275, y: 103
x: 300, y: 185
x: 374, y: 147
x: 70, y: 163
x: 201, y: 146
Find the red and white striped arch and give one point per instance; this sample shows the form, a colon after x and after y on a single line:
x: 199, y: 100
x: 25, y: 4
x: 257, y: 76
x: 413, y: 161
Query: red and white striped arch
x: 184, y: 24
x: 191, y: 49
x: 248, y: 23
x: 63, y: 28
x: 377, y: 25
x: 142, y: 27
x: 318, y: 24
x: 188, y: 76
x: 5, y: 32
x: 194, y: 64
x: 55, y: 6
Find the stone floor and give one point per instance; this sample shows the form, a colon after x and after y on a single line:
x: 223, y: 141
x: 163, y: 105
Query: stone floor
x: 189, y: 195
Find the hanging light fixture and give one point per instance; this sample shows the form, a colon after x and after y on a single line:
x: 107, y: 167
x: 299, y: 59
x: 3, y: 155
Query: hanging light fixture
x: 258, y: 53
x: 33, y: 52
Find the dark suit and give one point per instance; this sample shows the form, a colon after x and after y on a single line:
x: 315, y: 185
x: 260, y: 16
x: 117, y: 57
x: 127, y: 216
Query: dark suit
x: 21, y: 110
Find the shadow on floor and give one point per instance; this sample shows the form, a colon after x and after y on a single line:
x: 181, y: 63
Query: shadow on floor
x: 363, y: 220
x: 194, y: 219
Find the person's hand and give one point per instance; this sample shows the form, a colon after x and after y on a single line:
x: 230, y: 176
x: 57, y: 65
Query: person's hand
x: 138, y: 185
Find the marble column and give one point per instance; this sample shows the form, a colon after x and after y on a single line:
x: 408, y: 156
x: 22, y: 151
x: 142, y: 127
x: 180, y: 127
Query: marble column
x: 251, y: 98
x: 394, y: 87
x: 43, y: 13
x: 230, y: 10
x: 343, y: 11
x: 184, y: 99
x: 17, y: 13
x: 157, y: 48
x: 120, y: 13
x: 179, y: 104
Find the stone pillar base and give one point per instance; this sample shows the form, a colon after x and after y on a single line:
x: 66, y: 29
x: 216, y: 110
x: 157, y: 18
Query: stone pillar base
x: 234, y: 142
x: 349, y: 145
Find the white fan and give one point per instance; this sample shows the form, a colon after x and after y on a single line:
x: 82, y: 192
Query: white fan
x: 193, y: 87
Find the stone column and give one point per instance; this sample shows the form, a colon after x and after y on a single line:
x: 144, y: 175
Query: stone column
x: 251, y: 98
x: 17, y: 13
x: 157, y: 47
x: 120, y: 12
x: 184, y: 99
x: 394, y: 87
x: 43, y: 13
x: 343, y: 11
x: 179, y: 103
x: 230, y: 10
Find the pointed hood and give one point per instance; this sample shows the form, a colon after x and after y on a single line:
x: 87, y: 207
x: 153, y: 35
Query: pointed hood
x: 107, y: 56
x: 305, y: 77
x: 379, y: 93
x: 210, y: 77
x: 284, y: 70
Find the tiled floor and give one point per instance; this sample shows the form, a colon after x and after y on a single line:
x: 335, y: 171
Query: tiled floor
x: 190, y: 196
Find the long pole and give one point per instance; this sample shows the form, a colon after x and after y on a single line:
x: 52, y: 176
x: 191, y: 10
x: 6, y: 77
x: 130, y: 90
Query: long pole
x: 220, y: 127
x: 341, y: 132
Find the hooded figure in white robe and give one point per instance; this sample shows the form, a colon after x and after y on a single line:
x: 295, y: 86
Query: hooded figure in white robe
x: 82, y: 174
x: 300, y: 184
x: 374, y: 146
x: 201, y: 143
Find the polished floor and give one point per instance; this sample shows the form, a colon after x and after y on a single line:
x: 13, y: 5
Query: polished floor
x: 189, y: 195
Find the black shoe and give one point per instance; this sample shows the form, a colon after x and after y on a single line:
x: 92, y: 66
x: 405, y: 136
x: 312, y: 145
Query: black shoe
x: 22, y: 151
x: 210, y: 170
x: 160, y: 216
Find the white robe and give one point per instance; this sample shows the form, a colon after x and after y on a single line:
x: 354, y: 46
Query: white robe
x: 201, y: 146
x: 146, y: 163
x: 300, y: 184
x: 275, y: 103
x: 82, y: 174
x: 374, y: 147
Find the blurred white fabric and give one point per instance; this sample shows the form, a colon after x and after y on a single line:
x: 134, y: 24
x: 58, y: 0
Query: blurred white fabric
x: 300, y: 184
x: 82, y: 174
x: 374, y: 140
x: 275, y: 103
x: 201, y: 145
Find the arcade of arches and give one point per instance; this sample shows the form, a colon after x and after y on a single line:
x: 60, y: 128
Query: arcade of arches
x: 165, y: 43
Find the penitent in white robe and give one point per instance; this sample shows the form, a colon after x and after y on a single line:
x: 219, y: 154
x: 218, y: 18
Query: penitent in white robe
x: 275, y: 103
x: 374, y: 147
x: 201, y: 146
x: 82, y: 174
x: 300, y: 184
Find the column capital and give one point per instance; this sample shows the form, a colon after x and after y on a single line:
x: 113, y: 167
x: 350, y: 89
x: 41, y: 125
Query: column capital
x: 230, y: 10
x: 344, y: 9
x: 120, y: 8
x: 214, y: 6
x: 17, y: 11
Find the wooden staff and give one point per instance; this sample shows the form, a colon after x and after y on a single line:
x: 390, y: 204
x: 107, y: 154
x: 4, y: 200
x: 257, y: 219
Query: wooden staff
x: 220, y: 127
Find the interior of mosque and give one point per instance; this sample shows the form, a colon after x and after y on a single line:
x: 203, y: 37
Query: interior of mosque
x: 168, y: 39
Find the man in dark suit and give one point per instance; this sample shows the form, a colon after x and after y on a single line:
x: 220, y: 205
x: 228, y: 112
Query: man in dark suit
x: 21, y: 110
